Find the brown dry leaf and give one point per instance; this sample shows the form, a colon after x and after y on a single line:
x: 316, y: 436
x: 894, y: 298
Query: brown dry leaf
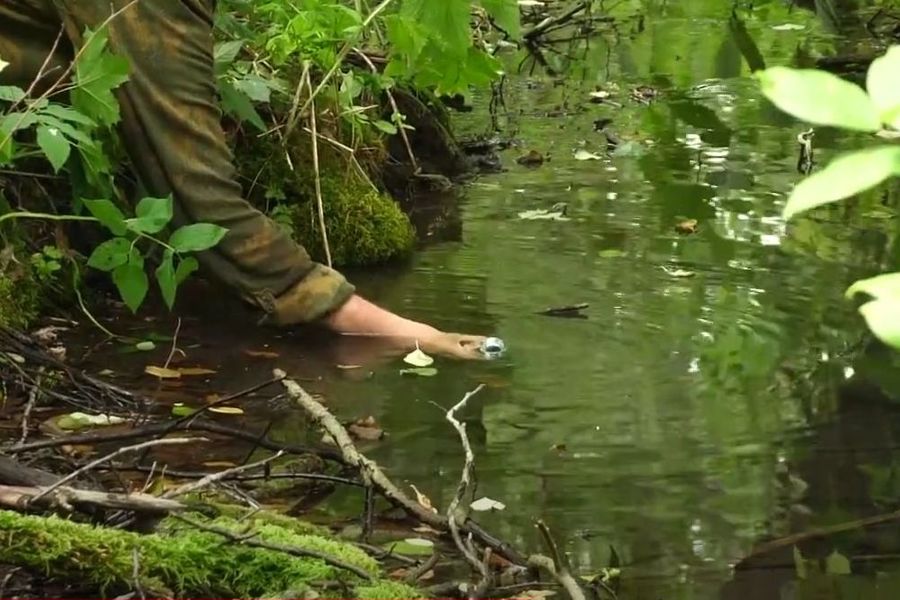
x: 162, y: 372
x: 687, y: 227
x: 532, y: 159
x: 423, y: 500
x: 219, y: 464
x: 366, y: 429
x: 261, y: 353
x: 210, y: 398
x: 195, y: 371
x: 400, y: 573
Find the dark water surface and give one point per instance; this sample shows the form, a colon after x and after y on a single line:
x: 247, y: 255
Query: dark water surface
x: 720, y: 391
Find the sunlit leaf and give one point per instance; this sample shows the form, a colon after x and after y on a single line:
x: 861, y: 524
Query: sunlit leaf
x: 79, y: 420
x: 803, y: 94
x: 145, y: 346
x: 226, y: 410
x: 180, y: 410
x: 582, y: 154
x: 880, y: 286
x: 884, y: 87
x: 882, y: 318
x: 485, y: 504
x: 417, y: 358
x: 54, y: 146
x: 845, y: 176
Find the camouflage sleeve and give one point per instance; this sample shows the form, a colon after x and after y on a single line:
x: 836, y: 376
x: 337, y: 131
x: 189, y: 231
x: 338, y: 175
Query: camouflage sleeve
x: 171, y: 128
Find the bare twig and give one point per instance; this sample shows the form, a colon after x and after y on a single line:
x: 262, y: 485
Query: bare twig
x: 110, y: 456
x: 32, y: 399
x: 174, y: 344
x: 292, y: 550
x: 320, y: 206
x: 371, y: 472
x: 556, y: 566
x: 457, y: 514
x: 553, y: 22
x: 136, y: 572
x: 221, y: 475
x: 422, y: 569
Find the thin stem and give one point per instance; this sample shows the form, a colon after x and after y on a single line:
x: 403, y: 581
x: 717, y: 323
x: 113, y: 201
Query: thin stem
x: 47, y: 216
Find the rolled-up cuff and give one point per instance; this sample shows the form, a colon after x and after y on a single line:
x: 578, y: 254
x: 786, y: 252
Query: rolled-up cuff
x: 320, y: 293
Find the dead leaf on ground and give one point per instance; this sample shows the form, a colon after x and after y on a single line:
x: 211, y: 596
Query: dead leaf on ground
x: 189, y: 371
x: 423, y: 500
x: 162, y: 372
x: 687, y: 227
x: 261, y: 353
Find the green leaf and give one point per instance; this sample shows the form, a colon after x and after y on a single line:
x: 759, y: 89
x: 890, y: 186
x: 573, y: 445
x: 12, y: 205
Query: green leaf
x: 880, y: 286
x: 884, y: 89
x: 506, y: 15
x: 54, y: 145
x: 819, y: 97
x: 197, y: 237
x: 97, y: 74
x: 145, y: 346
x: 152, y: 215
x: 224, y: 53
x: 799, y: 564
x: 108, y: 214
x: 186, y: 266
x: 11, y: 93
x: 420, y: 371
x: 110, y: 254
x: 837, y: 564
x: 238, y: 105
x: 845, y: 176
x: 254, y: 87
x: 388, y: 128
x: 132, y: 282
x: 450, y: 18
x: 406, y: 37
x: 165, y: 277
x: 65, y: 128
x: 881, y: 317
x: 67, y: 114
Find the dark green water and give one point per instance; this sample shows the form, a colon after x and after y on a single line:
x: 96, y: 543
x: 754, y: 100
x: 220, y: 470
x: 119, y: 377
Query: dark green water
x: 677, y: 398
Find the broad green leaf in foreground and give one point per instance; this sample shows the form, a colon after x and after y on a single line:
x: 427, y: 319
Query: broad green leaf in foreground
x: 54, y: 146
x: 97, y: 73
x: 110, y: 254
x: 819, y: 97
x: 883, y: 83
x: 845, y: 176
x: 882, y: 318
x: 880, y: 286
x: 131, y: 280
x: 165, y: 277
x: 196, y: 237
x: 152, y: 215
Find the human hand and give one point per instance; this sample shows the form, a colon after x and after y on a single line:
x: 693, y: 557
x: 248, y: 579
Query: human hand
x: 453, y: 345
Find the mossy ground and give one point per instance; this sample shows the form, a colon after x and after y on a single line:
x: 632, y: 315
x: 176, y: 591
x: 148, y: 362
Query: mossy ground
x: 364, y: 226
x: 20, y: 293
x: 184, y: 561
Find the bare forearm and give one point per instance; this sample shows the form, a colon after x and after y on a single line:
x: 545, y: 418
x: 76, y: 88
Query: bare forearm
x: 358, y: 316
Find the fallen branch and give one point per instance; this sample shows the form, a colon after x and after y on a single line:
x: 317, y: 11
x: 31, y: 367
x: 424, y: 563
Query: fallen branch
x: 214, y: 477
x: 370, y: 472
x: 292, y: 550
x: 553, y: 22
x: 19, y: 497
x: 458, y: 512
x: 111, y: 456
x: 556, y: 566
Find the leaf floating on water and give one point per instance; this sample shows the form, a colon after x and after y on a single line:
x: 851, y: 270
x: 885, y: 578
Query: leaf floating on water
x: 572, y: 311
x: 180, y: 410
x: 417, y: 358
x: 837, y: 564
x: 485, y: 504
x: 420, y: 372
x: 788, y: 27
x: 162, y: 372
x: 687, y: 227
x: 611, y: 253
x: 423, y: 500
x: 348, y: 367
x: 261, y: 353
x: 145, y: 346
x: 195, y: 371
x: 79, y: 420
x: 678, y: 272
x: 582, y: 154
x: 226, y: 410
x: 542, y: 214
